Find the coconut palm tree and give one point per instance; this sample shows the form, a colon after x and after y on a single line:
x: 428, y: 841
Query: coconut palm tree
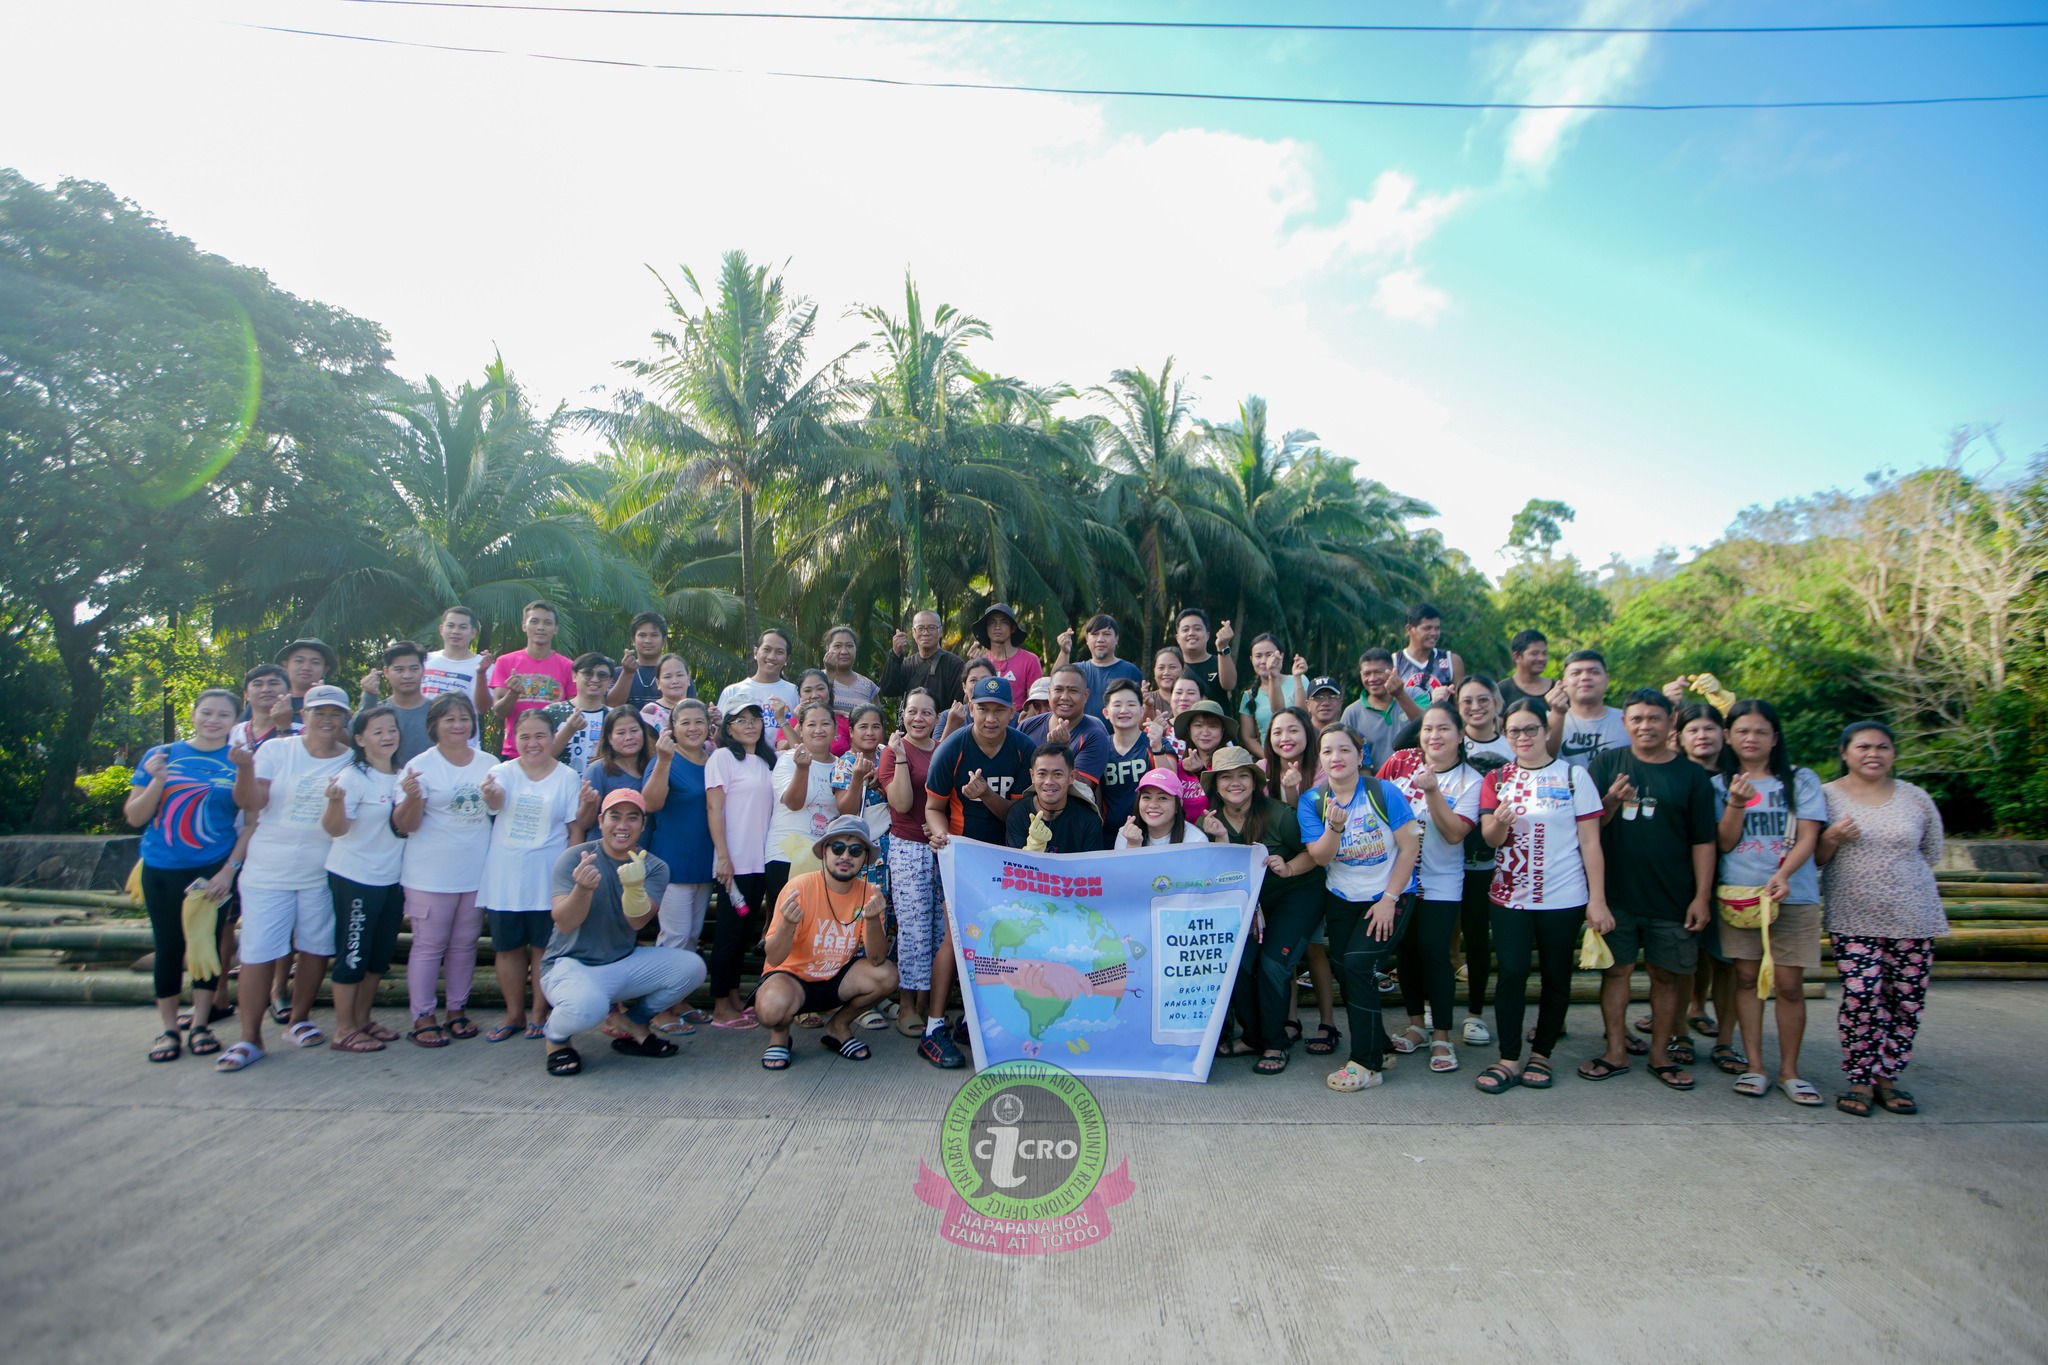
x: 1171, y: 499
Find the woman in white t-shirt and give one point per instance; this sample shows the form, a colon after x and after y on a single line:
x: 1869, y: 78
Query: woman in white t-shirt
x: 1443, y: 790
x: 534, y: 799
x: 1543, y: 815
x: 362, y: 874
x: 441, y: 810
x: 739, y: 801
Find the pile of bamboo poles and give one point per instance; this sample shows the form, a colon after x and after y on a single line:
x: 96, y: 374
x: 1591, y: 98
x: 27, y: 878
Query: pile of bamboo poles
x: 90, y: 947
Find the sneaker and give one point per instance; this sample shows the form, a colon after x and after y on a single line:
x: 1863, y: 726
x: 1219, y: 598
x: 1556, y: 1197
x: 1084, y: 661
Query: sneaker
x: 940, y: 1051
x: 1476, y: 1032
x: 961, y: 1033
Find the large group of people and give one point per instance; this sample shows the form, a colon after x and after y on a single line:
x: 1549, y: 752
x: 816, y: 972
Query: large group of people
x: 1431, y: 829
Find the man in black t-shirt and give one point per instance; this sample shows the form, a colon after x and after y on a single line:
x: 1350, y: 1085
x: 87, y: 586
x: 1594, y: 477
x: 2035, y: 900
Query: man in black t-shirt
x: 977, y: 772
x: 1658, y: 841
x: 1069, y: 826
x: 1215, y: 673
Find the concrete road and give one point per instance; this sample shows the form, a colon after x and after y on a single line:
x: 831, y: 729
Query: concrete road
x: 461, y: 1205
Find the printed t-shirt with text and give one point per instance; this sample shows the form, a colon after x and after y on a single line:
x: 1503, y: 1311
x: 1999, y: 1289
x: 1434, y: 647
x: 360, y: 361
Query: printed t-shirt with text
x: 288, y: 852
x: 528, y: 834
x: 1585, y: 738
x: 1768, y: 832
x: 444, y: 674
x: 546, y: 681
x: 1540, y: 866
x: 1365, y: 847
x: 1442, y: 863
x: 825, y: 942
x: 1120, y: 778
x: 1007, y: 772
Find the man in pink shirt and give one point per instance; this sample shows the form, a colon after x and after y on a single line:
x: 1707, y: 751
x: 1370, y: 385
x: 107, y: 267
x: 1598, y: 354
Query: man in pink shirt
x: 530, y: 677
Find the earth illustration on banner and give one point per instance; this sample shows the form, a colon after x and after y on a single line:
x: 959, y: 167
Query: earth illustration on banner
x: 1053, y: 974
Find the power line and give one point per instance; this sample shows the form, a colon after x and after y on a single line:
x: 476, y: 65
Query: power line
x: 1196, y: 24
x: 1335, y: 101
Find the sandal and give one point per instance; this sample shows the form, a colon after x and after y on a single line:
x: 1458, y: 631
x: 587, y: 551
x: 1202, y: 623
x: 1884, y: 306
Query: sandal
x: 872, y: 1019
x: 1476, y: 1031
x: 355, y: 1040
x: 1854, y: 1102
x: 280, y: 1011
x: 1326, y: 1040
x: 1801, y: 1092
x: 460, y: 1027
x: 1727, y: 1060
x: 1702, y: 1023
x: 1600, y: 1069
x: 1410, y: 1039
x: 500, y: 1033
x: 168, y: 1048
x: 699, y: 1018
x: 381, y: 1032
x: 910, y: 1025
x: 738, y: 1021
x: 1498, y: 1079
x: 1292, y: 1028
x: 775, y: 1058
x: 1896, y: 1101
x: 306, y: 1033
x: 1680, y: 1050
x: 1442, y: 1056
x: 419, y: 1036
x: 1754, y: 1084
x: 653, y: 1045
x: 1272, y: 1064
x: 1634, y: 1046
x: 565, y: 1061
x: 1644, y: 1024
x: 810, y: 1019
x: 1353, y: 1078
x: 853, y: 1049
x: 184, y: 1020
x: 1537, y: 1075
x: 1669, y: 1075
x: 674, y: 1028
x: 536, y: 1030
x: 201, y: 1042
x: 1237, y: 1047
x: 240, y: 1057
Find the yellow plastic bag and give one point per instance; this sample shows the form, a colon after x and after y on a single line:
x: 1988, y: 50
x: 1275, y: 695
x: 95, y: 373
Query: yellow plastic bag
x: 1747, y: 907
x: 202, y: 940
x: 133, y: 887
x: 1594, y: 954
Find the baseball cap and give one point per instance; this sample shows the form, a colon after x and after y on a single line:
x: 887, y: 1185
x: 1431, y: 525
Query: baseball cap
x: 1040, y: 690
x: 624, y: 796
x: 1326, y: 683
x: 326, y: 694
x: 993, y: 689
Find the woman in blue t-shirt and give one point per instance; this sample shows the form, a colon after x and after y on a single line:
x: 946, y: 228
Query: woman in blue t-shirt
x: 184, y: 804
x: 1363, y: 831
x: 681, y: 837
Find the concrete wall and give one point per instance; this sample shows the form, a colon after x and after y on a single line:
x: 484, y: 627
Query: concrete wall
x: 68, y: 862
x: 1995, y: 855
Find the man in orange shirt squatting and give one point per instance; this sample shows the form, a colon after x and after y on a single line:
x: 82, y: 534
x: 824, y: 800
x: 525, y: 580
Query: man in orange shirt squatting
x: 820, y: 922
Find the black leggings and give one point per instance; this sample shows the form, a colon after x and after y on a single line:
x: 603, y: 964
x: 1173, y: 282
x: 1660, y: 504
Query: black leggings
x: 1475, y: 925
x: 733, y: 933
x: 1552, y: 937
x: 1358, y: 958
x: 1263, y: 997
x: 1425, y: 958
x: 163, y: 895
x: 365, y: 928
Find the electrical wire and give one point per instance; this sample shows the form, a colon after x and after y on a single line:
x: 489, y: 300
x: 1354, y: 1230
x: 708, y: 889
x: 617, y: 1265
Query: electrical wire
x: 1330, y: 100
x: 1206, y: 25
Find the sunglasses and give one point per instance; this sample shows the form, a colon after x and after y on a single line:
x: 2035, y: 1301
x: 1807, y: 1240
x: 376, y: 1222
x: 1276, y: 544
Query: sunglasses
x: 839, y: 848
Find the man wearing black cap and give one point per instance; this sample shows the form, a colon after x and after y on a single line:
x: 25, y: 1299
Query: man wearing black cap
x: 1002, y: 643
x: 1325, y: 701
x: 977, y: 772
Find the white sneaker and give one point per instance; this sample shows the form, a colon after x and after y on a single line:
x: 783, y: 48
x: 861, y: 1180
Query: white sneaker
x: 1476, y: 1032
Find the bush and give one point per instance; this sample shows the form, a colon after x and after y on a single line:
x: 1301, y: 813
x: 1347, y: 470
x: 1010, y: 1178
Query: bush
x: 102, y: 795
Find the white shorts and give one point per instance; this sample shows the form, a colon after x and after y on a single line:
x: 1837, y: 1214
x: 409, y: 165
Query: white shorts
x: 273, y: 920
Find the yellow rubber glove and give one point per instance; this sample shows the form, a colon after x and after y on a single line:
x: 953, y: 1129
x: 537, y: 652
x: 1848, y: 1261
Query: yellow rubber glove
x: 1039, y: 837
x: 1594, y: 954
x: 633, y: 886
x: 1711, y: 687
x: 202, y: 941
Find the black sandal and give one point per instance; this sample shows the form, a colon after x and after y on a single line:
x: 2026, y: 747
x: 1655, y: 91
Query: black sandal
x: 1667, y: 1072
x: 1727, y: 1060
x: 1272, y: 1064
x: 565, y: 1061
x: 169, y: 1047
x: 1537, y: 1076
x: 460, y: 1027
x: 1680, y: 1050
x: 653, y: 1045
x: 1326, y: 1040
x: 1850, y: 1102
x: 1896, y: 1101
x: 1292, y: 1028
x: 1634, y: 1046
x: 202, y: 1043
x: 1503, y: 1079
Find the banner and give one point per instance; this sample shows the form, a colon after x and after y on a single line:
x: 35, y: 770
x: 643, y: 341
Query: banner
x: 1106, y: 964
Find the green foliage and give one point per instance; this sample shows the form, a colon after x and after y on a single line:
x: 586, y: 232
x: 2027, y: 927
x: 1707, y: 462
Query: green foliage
x: 103, y: 794
x: 1538, y: 527
x: 1558, y: 598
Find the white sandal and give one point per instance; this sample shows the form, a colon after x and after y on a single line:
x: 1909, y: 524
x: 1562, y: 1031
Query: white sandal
x: 306, y: 1033
x: 1404, y: 1044
x: 1353, y: 1077
x: 1754, y: 1084
x: 1444, y: 1060
x: 1476, y: 1032
x: 1800, y: 1092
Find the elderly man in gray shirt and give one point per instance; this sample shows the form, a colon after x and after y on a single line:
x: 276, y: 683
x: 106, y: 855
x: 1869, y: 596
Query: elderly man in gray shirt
x: 604, y: 891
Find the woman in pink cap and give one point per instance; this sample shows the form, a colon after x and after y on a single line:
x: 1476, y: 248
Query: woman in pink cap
x: 1159, y: 817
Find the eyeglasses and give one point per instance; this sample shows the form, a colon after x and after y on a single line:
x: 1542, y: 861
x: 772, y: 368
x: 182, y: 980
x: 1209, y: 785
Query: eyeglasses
x: 1523, y: 731
x: 839, y: 848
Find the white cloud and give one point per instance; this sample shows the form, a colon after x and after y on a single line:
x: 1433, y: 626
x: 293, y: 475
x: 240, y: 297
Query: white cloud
x: 1404, y: 294
x: 1576, y: 69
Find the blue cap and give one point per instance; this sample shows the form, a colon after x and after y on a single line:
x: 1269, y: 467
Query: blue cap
x: 993, y: 689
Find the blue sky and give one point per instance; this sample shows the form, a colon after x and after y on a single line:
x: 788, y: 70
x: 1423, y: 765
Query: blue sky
x: 1659, y: 318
